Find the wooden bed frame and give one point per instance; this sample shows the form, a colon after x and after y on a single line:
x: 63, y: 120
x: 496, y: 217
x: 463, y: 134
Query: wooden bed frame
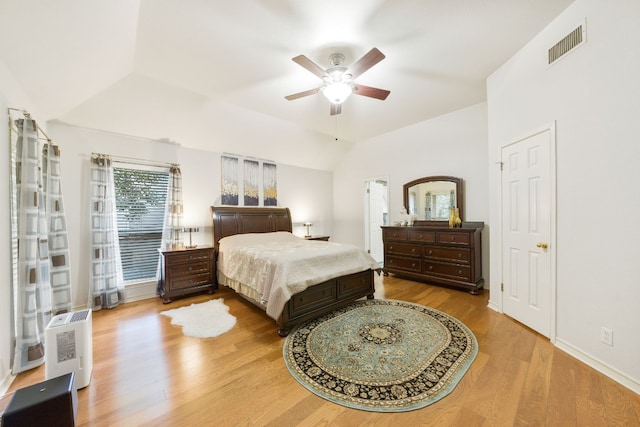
x: 312, y: 302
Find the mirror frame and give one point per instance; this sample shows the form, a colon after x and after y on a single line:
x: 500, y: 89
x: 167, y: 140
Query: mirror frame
x: 459, y: 196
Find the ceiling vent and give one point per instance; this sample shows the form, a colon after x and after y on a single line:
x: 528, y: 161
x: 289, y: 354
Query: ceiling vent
x: 572, y: 40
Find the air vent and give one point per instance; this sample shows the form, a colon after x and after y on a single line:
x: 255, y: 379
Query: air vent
x: 574, y: 39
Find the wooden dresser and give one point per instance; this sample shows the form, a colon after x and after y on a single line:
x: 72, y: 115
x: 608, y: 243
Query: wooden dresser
x: 435, y: 254
x: 187, y: 270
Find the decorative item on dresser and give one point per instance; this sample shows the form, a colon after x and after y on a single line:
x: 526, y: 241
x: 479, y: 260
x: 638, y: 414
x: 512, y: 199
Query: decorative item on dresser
x: 429, y: 250
x: 186, y: 270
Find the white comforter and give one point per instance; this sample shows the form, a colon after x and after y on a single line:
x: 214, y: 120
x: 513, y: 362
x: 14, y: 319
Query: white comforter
x: 277, y: 265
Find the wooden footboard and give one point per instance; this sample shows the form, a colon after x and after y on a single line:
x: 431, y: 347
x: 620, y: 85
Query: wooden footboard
x: 325, y: 297
x: 314, y: 301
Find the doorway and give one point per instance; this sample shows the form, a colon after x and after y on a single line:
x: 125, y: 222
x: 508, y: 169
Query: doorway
x: 376, y: 214
x: 528, y: 224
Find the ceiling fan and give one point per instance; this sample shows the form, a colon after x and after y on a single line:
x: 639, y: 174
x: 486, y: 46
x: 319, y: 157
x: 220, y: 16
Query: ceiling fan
x: 338, y: 80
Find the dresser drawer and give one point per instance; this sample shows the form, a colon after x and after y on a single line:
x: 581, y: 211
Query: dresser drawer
x: 178, y: 270
x: 402, y: 249
x: 190, y: 256
x: 354, y: 284
x: 422, y: 236
x: 315, y: 296
x: 451, y: 238
x: 397, y: 234
x: 457, y: 255
x: 403, y: 263
x: 457, y: 272
x: 190, y: 281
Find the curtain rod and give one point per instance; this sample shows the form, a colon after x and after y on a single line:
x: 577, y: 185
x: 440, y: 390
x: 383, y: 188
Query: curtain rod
x: 137, y: 161
x: 27, y: 115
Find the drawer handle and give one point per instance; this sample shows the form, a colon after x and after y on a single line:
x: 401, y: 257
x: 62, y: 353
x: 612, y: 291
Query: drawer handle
x: 391, y: 247
x: 459, y: 255
x: 453, y: 238
x: 431, y: 267
x: 413, y: 251
x: 413, y: 265
x: 430, y: 252
x: 190, y: 268
x: 459, y: 272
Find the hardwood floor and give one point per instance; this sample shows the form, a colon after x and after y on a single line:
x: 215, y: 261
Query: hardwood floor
x: 146, y: 372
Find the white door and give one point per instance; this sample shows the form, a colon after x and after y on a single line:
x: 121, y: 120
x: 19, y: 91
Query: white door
x: 526, y: 231
x: 375, y: 216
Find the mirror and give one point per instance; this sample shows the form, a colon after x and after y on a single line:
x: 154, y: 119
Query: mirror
x: 430, y: 198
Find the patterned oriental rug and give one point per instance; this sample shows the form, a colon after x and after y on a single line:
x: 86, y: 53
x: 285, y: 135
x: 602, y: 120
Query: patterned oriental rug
x: 381, y: 355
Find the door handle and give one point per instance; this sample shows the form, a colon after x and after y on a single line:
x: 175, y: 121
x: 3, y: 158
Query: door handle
x: 542, y: 245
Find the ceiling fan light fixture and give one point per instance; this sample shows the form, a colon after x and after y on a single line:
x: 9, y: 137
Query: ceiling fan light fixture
x: 337, y: 92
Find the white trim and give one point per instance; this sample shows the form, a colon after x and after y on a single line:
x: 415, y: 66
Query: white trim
x: 140, y: 290
x: 367, y: 232
x: 6, y: 382
x: 553, y: 253
x: 619, y: 377
x: 494, y: 307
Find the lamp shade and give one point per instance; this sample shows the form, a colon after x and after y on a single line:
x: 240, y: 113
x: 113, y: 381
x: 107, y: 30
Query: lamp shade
x: 337, y: 92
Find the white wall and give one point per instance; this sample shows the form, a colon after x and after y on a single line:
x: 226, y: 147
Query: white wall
x: 454, y: 144
x: 307, y: 192
x: 593, y: 95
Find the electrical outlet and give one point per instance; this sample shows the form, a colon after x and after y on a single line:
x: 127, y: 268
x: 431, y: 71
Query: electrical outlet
x: 606, y: 336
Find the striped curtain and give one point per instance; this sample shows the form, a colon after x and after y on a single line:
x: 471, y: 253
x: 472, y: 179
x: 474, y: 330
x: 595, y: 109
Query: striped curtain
x: 60, y: 270
x: 172, y: 226
x: 32, y: 292
x: 106, y: 282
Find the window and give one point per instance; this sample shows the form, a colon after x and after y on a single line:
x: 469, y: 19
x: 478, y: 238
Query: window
x: 140, y: 203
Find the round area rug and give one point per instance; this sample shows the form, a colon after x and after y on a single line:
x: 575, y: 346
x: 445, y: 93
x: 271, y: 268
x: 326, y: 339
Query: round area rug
x: 381, y: 355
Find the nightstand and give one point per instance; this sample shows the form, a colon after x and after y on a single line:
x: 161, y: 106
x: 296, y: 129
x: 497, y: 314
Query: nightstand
x: 187, y: 270
x: 325, y: 238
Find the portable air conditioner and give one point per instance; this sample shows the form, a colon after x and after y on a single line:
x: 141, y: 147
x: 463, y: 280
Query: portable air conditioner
x: 68, y: 345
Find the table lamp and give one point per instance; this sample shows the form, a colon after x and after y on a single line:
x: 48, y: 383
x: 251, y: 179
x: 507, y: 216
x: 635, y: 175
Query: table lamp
x: 308, y: 225
x: 190, y: 230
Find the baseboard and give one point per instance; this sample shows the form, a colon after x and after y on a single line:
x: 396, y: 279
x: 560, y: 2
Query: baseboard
x: 6, y: 382
x: 139, y: 291
x: 599, y: 366
x: 494, y: 307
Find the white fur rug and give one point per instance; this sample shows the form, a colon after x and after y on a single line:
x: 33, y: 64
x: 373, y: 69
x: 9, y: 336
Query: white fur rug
x: 204, y: 320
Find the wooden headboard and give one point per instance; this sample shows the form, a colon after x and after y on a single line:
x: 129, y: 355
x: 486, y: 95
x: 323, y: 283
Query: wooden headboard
x: 230, y: 220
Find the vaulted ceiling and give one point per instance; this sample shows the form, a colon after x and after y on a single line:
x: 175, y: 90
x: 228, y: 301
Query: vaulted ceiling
x: 213, y: 74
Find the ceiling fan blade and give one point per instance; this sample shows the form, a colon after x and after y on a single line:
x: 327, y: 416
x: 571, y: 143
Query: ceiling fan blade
x: 336, y: 109
x: 305, y: 62
x: 370, y: 59
x: 303, y: 94
x: 371, y: 92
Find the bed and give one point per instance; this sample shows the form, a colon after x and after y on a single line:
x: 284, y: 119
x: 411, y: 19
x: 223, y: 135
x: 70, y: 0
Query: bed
x: 291, y: 298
